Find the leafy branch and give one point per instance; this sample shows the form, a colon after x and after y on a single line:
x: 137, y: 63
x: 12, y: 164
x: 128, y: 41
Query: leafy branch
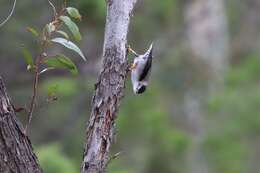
x: 44, y: 62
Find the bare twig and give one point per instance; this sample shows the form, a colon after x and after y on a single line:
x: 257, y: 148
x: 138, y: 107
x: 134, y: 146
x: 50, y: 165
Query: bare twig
x: 53, y: 8
x: 65, y: 3
x: 34, y: 94
x: 9, y: 16
x: 115, y: 156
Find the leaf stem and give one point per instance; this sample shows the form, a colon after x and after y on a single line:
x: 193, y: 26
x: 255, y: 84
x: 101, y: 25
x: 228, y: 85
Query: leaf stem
x: 34, y: 93
x: 54, y: 9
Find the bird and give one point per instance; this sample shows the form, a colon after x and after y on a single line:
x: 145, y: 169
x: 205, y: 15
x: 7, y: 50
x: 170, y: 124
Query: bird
x: 141, y: 69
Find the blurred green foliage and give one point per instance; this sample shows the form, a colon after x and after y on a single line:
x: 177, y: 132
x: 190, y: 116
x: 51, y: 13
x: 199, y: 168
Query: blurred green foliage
x: 145, y: 120
x: 92, y: 10
x: 237, y: 109
x: 53, y: 160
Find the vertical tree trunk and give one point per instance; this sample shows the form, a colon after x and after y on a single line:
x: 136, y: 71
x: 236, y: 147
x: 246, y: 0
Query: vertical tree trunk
x: 208, y: 41
x: 109, y: 88
x: 16, y: 153
x: 208, y: 35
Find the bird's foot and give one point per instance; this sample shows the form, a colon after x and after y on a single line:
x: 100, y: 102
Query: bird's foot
x: 132, y: 66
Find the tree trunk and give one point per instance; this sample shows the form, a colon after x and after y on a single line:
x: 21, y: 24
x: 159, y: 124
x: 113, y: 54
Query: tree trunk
x: 109, y: 88
x: 208, y: 40
x: 16, y: 152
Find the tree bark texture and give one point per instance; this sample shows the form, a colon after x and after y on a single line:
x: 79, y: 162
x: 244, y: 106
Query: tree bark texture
x: 109, y: 87
x: 16, y: 152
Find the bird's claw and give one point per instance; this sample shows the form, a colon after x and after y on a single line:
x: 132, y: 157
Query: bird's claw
x: 133, y: 66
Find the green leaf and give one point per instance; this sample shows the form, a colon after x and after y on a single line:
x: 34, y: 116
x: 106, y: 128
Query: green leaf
x: 73, y: 12
x: 52, y: 89
x: 64, y: 34
x: 33, y: 31
x: 61, y: 61
x: 68, y: 44
x: 72, y: 27
x: 28, y: 58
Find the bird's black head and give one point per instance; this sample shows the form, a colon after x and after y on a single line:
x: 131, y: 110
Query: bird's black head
x: 141, y: 89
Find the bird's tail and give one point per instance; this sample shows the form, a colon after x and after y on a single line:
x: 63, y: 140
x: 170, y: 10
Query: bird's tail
x: 149, y: 52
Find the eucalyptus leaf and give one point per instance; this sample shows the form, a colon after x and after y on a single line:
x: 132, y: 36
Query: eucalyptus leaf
x: 61, y: 61
x: 64, y: 34
x: 73, y: 12
x: 27, y: 57
x: 33, y: 31
x: 52, y: 89
x: 72, y: 27
x: 70, y: 45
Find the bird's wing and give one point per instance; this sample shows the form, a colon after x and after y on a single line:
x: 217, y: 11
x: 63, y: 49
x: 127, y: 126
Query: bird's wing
x: 146, y: 69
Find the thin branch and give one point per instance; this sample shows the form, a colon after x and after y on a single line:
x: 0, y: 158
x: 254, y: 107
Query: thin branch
x: 115, y: 156
x: 53, y: 8
x: 9, y: 16
x: 34, y: 95
x: 65, y: 3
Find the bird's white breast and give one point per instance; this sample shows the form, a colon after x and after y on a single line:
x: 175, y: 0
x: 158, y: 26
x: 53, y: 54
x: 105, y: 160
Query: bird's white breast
x: 136, y: 72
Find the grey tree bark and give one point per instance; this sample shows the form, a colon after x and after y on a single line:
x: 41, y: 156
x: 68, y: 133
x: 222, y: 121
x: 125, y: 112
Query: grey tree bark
x: 209, y: 44
x: 16, y: 152
x: 109, y: 87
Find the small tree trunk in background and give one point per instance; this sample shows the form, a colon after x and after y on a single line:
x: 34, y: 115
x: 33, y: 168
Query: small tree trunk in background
x: 16, y: 152
x: 109, y: 88
x: 208, y: 36
x: 208, y: 40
